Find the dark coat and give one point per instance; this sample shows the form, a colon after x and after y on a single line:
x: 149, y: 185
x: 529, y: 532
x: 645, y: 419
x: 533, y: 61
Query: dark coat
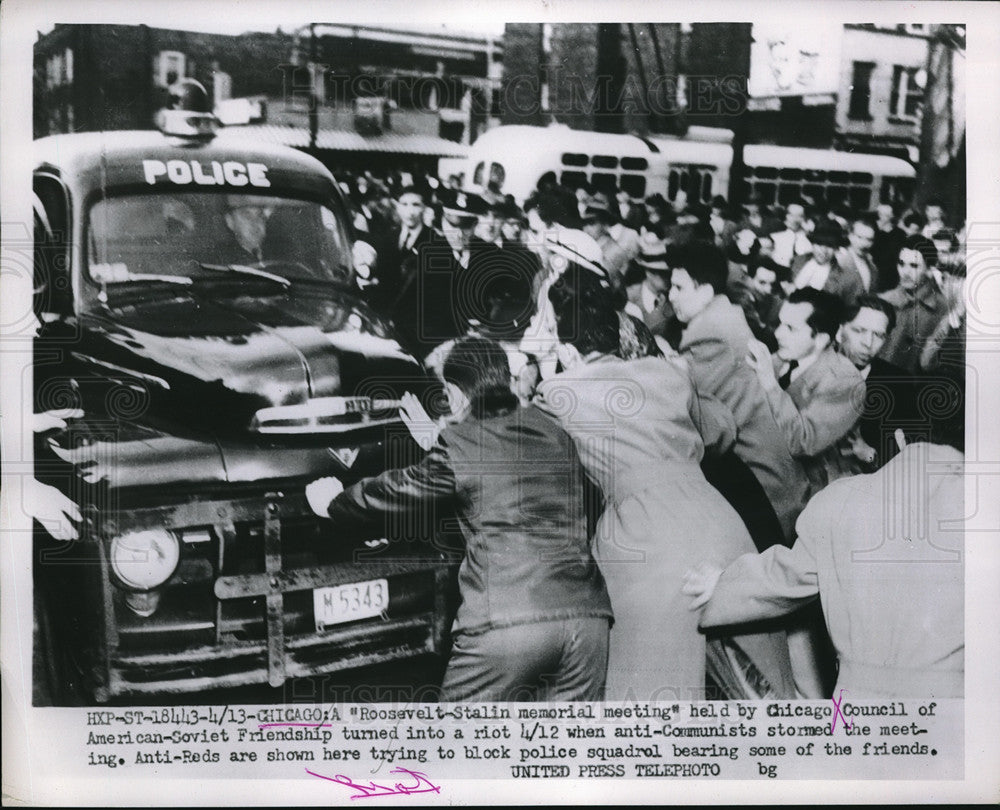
x: 432, y: 304
x: 517, y: 487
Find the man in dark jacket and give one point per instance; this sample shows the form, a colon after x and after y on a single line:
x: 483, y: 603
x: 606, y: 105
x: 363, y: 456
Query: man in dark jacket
x: 535, y: 615
x: 448, y: 286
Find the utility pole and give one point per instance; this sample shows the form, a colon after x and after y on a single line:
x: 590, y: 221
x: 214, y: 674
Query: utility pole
x: 740, y: 124
x: 313, y: 97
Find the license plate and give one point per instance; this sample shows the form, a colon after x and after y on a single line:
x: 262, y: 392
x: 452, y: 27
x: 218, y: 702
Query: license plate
x: 346, y: 603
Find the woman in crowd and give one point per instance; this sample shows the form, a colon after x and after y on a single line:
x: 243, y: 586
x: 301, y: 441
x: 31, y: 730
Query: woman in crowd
x: 534, y: 616
x: 634, y: 425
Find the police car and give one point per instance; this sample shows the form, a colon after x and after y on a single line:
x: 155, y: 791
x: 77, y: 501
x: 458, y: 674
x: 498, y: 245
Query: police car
x: 198, y: 306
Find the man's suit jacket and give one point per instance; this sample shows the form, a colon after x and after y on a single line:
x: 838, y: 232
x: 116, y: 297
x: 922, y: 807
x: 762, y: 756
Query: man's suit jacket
x: 715, y: 345
x: 820, y: 406
x: 843, y: 282
x: 849, y: 262
x: 440, y: 300
x: 393, y: 264
x: 918, y: 314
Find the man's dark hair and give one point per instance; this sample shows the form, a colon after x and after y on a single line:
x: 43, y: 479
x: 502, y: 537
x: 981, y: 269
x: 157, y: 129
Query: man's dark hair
x: 552, y: 207
x: 702, y: 260
x: 586, y: 312
x: 923, y: 246
x: 781, y: 273
x: 827, y: 310
x: 633, y: 275
x: 480, y: 369
x: 914, y: 218
x: 869, y: 301
x: 420, y: 192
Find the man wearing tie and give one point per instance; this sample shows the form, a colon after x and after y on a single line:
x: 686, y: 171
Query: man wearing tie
x: 811, y: 390
x: 448, y: 285
x: 793, y: 240
x: 810, y: 387
x: 855, y: 257
x: 398, y: 248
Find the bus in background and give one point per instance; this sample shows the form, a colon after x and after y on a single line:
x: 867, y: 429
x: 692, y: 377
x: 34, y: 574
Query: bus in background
x: 514, y: 158
x: 783, y: 174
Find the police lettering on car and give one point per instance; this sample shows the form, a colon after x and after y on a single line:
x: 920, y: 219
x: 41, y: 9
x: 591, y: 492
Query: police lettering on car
x: 215, y: 173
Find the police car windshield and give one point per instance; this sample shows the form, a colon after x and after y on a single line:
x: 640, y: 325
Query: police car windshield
x: 136, y: 237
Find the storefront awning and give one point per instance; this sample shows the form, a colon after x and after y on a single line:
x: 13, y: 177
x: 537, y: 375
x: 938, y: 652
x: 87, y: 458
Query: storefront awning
x: 346, y: 141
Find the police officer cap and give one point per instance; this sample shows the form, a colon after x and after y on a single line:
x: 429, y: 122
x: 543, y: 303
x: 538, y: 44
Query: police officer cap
x: 461, y: 204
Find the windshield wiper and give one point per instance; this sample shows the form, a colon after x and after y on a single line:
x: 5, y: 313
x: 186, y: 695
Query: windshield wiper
x: 246, y: 270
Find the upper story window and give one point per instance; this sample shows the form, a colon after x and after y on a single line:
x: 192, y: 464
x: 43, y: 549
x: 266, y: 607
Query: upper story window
x: 861, y: 91
x: 907, y: 97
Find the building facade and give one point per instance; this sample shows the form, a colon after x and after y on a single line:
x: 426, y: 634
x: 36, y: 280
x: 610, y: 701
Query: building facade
x: 883, y: 77
x: 94, y: 77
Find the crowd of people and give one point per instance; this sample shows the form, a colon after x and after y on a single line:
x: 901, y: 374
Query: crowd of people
x: 744, y: 392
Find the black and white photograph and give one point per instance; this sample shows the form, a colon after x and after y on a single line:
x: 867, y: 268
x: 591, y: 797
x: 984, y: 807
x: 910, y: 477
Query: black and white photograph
x: 499, y: 403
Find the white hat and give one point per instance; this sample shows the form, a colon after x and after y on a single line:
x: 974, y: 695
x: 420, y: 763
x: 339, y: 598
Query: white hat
x: 577, y: 247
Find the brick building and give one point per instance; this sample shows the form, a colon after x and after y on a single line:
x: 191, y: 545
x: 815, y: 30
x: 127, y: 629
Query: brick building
x: 625, y: 77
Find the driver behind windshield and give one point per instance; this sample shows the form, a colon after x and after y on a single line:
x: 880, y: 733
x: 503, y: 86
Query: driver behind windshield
x: 246, y: 219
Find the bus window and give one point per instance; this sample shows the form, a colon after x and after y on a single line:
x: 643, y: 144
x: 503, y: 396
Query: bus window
x: 673, y: 184
x: 813, y: 190
x: 839, y: 177
x: 604, y: 162
x: 789, y: 193
x: 573, y: 159
x: 793, y: 175
x: 477, y: 175
x: 765, y: 172
x: 497, y: 175
x: 706, y: 187
x: 573, y: 179
x: 862, y: 179
x: 632, y: 164
x: 766, y: 192
x: 634, y: 185
x: 603, y: 181
x: 860, y: 198
x: 836, y: 195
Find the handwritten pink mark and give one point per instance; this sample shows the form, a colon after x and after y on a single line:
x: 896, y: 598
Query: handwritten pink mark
x: 302, y: 725
x: 373, y: 791
x: 837, y: 712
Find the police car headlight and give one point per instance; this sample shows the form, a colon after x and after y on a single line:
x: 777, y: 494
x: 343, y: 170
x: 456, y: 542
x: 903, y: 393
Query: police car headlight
x: 145, y: 559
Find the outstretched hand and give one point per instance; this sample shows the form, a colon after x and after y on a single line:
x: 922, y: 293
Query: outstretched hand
x: 54, y: 420
x: 56, y: 512
x: 320, y: 492
x: 700, y: 583
x: 423, y: 429
x: 759, y: 359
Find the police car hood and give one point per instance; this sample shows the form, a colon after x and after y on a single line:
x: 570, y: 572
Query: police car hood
x: 215, y: 360
x: 190, y: 374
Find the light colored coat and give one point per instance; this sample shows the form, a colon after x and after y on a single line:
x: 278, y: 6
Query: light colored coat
x: 715, y: 345
x: 884, y: 552
x: 633, y: 423
x: 820, y: 406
